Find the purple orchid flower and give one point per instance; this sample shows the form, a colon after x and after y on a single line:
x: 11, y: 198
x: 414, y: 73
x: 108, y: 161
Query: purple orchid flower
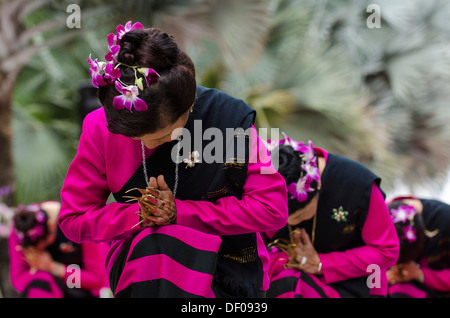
x: 300, y: 189
x: 113, y: 48
x: 33, y: 207
x: 129, y: 98
x: 311, y: 169
x: 290, y: 142
x: 307, y: 151
x: 403, y: 213
x: 121, y: 30
x: 36, y: 232
x: 111, y: 73
x: 40, y: 217
x: 151, y: 76
x: 96, y: 70
x: 409, y: 233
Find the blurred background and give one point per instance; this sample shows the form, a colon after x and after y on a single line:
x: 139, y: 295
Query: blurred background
x: 366, y: 79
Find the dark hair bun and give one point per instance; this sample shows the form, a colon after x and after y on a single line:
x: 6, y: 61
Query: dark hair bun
x: 289, y: 163
x: 25, y: 220
x: 149, y: 48
x: 167, y: 99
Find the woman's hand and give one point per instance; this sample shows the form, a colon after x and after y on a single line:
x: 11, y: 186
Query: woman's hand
x: 38, y: 259
x: 404, y: 272
x: 304, y: 256
x: 160, y: 209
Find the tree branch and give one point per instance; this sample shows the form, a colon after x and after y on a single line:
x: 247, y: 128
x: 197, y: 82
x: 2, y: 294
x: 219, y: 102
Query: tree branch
x: 20, y: 59
x: 9, y: 20
x: 27, y: 35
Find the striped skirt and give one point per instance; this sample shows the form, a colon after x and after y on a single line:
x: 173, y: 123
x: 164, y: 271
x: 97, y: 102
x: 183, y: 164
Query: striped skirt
x: 292, y: 283
x: 166, y: 262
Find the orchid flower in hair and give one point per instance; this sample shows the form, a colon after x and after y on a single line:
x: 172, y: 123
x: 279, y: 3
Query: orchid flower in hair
x: 113, y: 48
x: 129, y: 98
x: 409, y: 233
x: 299, y: 190
x: 309, y: 169
x: 403, y: 213
x: 121, y: 30
x: 306, y: 150
x: 151, y: 76
x: 103, y: 73
x: 290, y: 142
x: 97, y: 70
x: 111, y: 73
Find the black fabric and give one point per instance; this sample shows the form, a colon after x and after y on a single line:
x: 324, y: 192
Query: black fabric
x: 282, y: 286
x: 65, y: 251
x: 345, y: 183
x: 40, y: 284
x: 66, y: 291
x: 118, y: 266
x: 436, y: 215
x: 239, y: 268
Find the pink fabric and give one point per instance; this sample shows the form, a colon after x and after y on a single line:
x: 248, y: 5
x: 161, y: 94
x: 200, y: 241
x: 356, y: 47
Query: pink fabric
x: 407, y: 289
x: 196, y: 283
x: 196, y: 239
x: 105, y: 161
x: 92, y: 275
x: 437, y: 279
x: 162, y: 266
x: 302, y: 288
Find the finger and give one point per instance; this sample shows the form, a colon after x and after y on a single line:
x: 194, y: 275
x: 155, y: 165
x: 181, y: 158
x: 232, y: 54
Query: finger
x: 156, y: 220
x: 151, y: 200
x: 152, y: 192
x: 291, y: 265
x: 305, y: 238
x: 149, y: 208
x: 152, y: 183
x: 296, y: 234
x: 162, y: 185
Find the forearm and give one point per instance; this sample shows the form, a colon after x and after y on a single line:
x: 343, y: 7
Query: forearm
x: 437, y: 279
x: 263, y: 206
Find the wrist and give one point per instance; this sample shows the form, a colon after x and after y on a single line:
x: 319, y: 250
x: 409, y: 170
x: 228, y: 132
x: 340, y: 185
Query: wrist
x: 319, y: 268
x: 58, y: 270
x: 420, y: 277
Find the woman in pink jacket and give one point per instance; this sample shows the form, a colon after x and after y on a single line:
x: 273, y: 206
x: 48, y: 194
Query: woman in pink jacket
x: 45, y: 264
x: 423, y: 267
x: 193, y: 153
x: 340, y: 239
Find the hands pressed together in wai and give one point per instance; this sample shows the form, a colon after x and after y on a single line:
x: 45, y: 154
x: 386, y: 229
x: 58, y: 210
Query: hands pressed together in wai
x: 157, y: 204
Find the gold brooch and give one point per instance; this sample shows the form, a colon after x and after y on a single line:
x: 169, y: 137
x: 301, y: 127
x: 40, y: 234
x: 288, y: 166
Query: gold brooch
x: 339, y: 215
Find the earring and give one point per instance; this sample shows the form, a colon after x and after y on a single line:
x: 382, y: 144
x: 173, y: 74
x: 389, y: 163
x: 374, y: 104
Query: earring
x: 191, y: 109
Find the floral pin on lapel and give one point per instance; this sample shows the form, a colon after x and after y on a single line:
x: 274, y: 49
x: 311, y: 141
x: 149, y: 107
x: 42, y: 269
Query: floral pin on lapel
x: 339, y: 215
x: 192, y: 159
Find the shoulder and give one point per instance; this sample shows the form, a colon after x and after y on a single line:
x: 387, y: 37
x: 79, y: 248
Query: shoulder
x: 436, y: 209
x: 348, y: 166
x: 351, y: 173
x: 220, y: 106
x: 96, y: 118
x: 95, y: 125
